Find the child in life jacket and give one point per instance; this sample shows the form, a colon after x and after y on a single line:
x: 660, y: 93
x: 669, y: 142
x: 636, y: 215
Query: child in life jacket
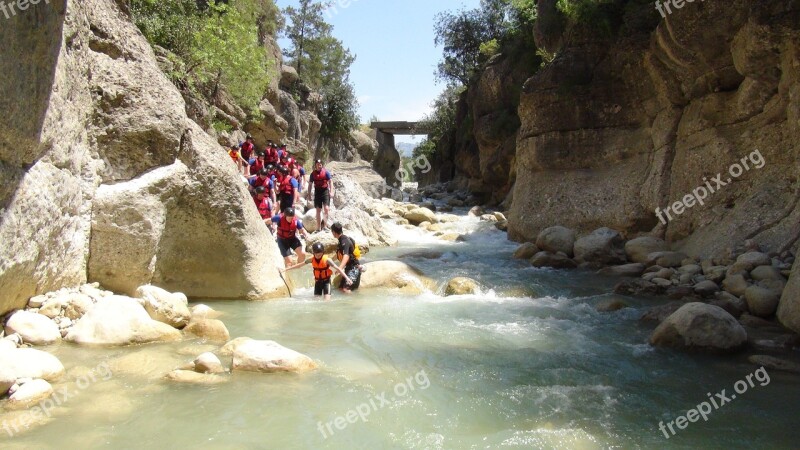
x: 323, y: 270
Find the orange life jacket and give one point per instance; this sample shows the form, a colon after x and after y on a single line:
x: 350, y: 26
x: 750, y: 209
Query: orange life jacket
x: 286, y: 229
x: 322, y: 271
x: 234, y: 154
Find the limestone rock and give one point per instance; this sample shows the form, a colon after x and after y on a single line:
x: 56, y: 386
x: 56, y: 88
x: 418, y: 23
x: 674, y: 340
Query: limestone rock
x: 602, y: 246
x: 204, y: 312
x: 789, y: 307
x: 773, y: 363
x: 169, y: 308
x: 625, y: 270
x: 208, y: 363
x: 192, y: 377
x: 51, y: 308
x: 394, y: 275
x: 666, y: 259
x: 702, y: 327
x: 211, y: 329
x: 735, y: 284
x: 461, y: 286
x: 749, y: 261
x: 526, y: 251
x: 33, y: 328
x: 230, y: 347
x: 76, y: 305
x: 269, y: 357
x: 119, y: 320
x: 29, y: 394
x: 27, y: 363
x: 761, y: 302
x: 418, y: 215
x: 761, y: 273
x: 706, y: 288
x: 638, y: 249
x: 610, y: 305
x: 556, y: 239
x: 555, y: 261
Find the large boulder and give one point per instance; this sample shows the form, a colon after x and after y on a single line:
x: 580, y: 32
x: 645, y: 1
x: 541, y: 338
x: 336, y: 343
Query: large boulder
x: 27, y: 363
x: 394, y: 275
x: 119, y: 320
x: 351, y: 205
x: 761, y: 301
x: 789, y: 307
x: 638, y: 249
x: 210, y: 329
x: 419, y: 215
x: 269, y: 357
x: 33, y: 328
x: 699, y: 326
x: 366, y: 147
x: 163, y: 306
x: 556, y: 239
x: 604, y: 246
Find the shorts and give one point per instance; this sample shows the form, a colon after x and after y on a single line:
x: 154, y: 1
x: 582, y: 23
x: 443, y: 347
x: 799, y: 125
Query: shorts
x: 322, y: 287
x: 287, y: 201
x: 355, y: 274
x: 322, y: 197
x: 288, y: 246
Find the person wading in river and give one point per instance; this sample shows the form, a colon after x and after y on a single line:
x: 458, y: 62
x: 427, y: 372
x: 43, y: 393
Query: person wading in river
x: 348, y: 261
x: 323, y: 270
x: 288, y: 227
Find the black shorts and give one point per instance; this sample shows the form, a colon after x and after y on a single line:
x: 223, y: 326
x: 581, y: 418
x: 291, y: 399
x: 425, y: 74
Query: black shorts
x: 355, y: 274
x: 288, y: 246
x: 322, y: 197
x: 287, y: 201
x: 322, y: 287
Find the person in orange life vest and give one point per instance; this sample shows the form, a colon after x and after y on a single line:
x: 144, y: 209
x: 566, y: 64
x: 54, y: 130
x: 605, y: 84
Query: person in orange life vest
x: 287, y: 189
x: 288, y: 227
x: 264, y: 206
x: 272, y: 156
x: 241, y: 164
x: 247, y: 147
x: 258, y: 164
x: 349, y: 263
x: 323, y: 270
x: 323, y: 192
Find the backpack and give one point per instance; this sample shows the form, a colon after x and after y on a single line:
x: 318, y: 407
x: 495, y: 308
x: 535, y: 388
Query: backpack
x: 356, y: 249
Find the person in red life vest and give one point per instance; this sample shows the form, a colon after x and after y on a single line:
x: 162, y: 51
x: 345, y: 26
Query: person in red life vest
x: 272, y: 156
x: 241, y: 164
x: 323, y: 270
x: 323, y: 192
x: 299, y: 174
x: 257, y: 164
x: 349, y: 263
x: 264, y: 180
x: 283, y: 151
x: 287, y: 228
x: 287, y: 188
x: 264, y: 206
x: 247, y: 148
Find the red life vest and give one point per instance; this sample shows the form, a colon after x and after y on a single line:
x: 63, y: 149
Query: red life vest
x: 271, y: 155
x: 261, y: 182
x: 291, y: 163
x: 286, y: 229
x: 286, y: 185
x: 264, y: 208
x: 256, y: 167
x: 247, y: 150
x: 322, y: 271
x: 320, y: 179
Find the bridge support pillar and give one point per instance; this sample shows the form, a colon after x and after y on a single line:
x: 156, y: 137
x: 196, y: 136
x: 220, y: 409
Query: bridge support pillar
x: 387, y: 160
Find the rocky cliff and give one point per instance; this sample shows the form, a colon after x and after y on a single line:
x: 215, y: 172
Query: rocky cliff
x: 104, y: 177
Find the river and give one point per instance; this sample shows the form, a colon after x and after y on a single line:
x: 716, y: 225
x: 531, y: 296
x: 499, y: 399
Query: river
x: 528, y: 363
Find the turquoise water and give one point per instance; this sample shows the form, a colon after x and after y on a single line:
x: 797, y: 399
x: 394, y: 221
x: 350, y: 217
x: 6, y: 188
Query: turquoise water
x: 528, y: 363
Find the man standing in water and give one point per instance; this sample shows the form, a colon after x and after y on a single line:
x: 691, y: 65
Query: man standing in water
x: 348, y: 261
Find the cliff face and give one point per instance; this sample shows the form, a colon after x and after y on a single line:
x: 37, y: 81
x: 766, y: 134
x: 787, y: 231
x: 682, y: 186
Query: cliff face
x: 611, y: 132
x: 103, y: 174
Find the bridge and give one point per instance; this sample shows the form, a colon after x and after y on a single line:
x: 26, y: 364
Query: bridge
x: 387, y: 160
x: 400, y: 127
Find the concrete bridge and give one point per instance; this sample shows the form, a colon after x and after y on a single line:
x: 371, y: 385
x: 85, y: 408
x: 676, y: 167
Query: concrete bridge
x: 387, y: 161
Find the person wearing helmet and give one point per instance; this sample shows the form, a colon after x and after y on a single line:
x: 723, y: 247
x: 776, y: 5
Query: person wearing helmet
x: 323, y: 191
x: 241, y: 164
x: 258, y: 164
x: 263, y: 205
x: 263, y: 180
x: 271, y: 152
x: 349, y: 263
x: 288, y: 189
x: 323, y: 270
x: 247, y: 147
x: 288, y: 227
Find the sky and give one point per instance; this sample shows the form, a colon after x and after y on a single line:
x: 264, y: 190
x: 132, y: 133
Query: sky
x: 395, y: 54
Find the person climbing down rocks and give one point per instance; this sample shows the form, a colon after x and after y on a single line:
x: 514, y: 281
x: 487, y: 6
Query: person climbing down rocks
x: 264, y: 205
x: 241, y: 165
x: 323, y: 192
x: 348, y: 260
x: 288, y: 227
x: 323, y: 270
x: 288, y: 193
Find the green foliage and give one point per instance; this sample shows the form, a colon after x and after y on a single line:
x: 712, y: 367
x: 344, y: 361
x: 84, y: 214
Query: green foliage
x: 489, y: 49
x: 338, y: 112
x: 219, y: 125
x: 426, y: 148
x: 601, y: 15
x: 218, y: 42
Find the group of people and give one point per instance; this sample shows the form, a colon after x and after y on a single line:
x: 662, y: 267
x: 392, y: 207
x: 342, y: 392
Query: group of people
x: 276, y: 181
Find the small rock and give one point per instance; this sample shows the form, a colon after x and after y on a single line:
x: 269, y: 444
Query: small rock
x: 29, y: 393
x: 269, y: 357
x: 749, y: 261
x: 461, y: 286
x: 735, y: 284
x: 557, y: 239
x: 762, y: 273
x: 488, y: 218
x: 638, y: 249
x: 190, y: 376
x: 163, y: 306
x: 666, y: 259
x: 211, y: 329
x: 33, y: 328
x: 51, y: 308
x: 702, y: 327
x: 661, y: 282
x: 604, y: 246
x: 691, y: 269
x: 611, y: 305
x: 715, y: 273
x: 204, y: 312
x: 500, y: 217
x: 76, y: 305
x: 557, y: 261
x: 36, y: 302
x: 526, y: 251
x: 476, y: 211
x: 761, y: 302
x: 625, y: 270
x: 208, y: 363
x: 773, y: 363
x: 706, y: 288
